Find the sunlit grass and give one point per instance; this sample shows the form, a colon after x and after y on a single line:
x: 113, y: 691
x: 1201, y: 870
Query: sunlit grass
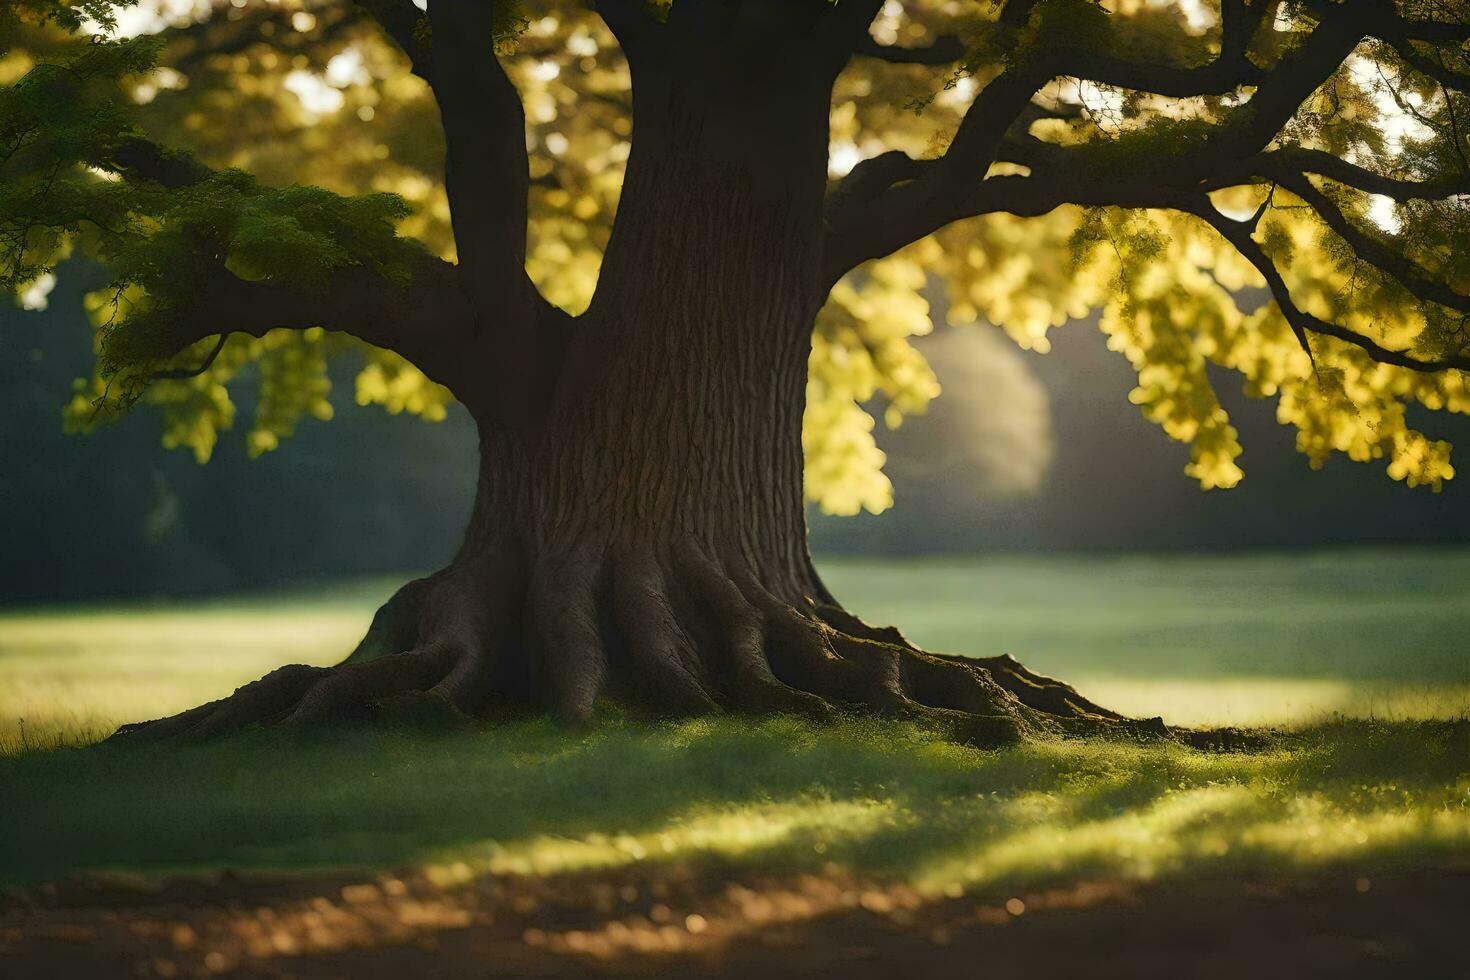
x: 73, y: 675
x: 1240, y: 640
x: 1276, y: 700
x: 727, y: 833
x: 882, y: 798
x: 780, y: 795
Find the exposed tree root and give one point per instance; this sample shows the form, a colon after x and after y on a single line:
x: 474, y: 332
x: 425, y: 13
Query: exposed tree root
x: 676, y: 633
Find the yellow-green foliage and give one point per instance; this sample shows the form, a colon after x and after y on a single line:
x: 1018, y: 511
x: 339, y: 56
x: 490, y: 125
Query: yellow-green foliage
x: 309, y: 93
x: 861, y: 349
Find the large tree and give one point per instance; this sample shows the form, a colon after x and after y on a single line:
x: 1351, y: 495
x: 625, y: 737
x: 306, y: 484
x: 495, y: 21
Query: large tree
x: 668, y: 251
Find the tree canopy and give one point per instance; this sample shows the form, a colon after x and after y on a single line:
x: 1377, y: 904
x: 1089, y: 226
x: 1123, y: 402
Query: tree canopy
x: 264, y: 182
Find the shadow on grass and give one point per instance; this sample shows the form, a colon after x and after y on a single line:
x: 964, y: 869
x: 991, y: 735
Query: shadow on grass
x: 775, y: 795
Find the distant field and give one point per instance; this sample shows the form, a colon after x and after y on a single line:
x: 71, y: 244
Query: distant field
x: 1233, y: 639
x: 1362, y: 613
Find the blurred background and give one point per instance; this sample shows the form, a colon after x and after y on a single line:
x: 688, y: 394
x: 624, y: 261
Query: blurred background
x: 1022, y: 453
x: 1035, y: 512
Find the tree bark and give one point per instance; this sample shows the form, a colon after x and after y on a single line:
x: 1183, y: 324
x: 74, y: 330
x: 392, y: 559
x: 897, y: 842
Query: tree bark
x: 640, y: 536
x: 669, y: 449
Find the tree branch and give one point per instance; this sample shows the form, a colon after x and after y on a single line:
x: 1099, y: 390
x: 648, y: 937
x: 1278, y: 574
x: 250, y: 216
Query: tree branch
x: 426, y: 321
x: 487, y: 170
x: 1046, y: 190
x: 891, y: 200
x: 401, y: 20
x: 843, y: 30
x: 487, y: 179
x: 1227, y: 71
x: 1403, y: 270
x: 1436, y: 30
x: 183, y: 374
x: 936, y: 193
x: 879, y: 221
x: 1388, y: 23
x: 632, y: 22
x: 1437, y: 70
x: 1302, y: 323
x: 1296, y: 161
x: 486, y: 167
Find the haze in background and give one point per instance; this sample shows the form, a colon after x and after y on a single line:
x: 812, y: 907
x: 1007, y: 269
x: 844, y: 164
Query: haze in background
x: 1022, y: 452
x: 1044, y: 452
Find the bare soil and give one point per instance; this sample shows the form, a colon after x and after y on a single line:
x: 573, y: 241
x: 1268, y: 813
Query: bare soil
x: 682, y: 922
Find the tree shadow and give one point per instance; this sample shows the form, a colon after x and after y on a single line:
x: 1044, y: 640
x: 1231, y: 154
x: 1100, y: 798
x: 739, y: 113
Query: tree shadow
x: 766, y: 795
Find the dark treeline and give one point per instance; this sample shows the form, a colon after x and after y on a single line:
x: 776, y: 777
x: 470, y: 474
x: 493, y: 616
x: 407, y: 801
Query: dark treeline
x: 117, y: 514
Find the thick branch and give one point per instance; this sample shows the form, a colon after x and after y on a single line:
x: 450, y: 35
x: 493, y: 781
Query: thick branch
x: 936, y: 193
x: 843, y: 30
x: 1228, y: 71
x: 1436, y: 30
x: 871, y: 224
x: 1043, y: 192
x: 1220, y: 77
x: 1066, y: 177
x: 487, y: 178
x: 891, y: 200
x: 1386, y: 22
x: 401, y: 20
x: 425, y: 321
x: 486, y: 170
x: 1285, y: 87
x: 1072, y: 181
x: 638, y: 33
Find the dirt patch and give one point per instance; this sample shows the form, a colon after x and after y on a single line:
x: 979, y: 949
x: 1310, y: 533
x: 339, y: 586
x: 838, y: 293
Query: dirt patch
x: 699, y: 922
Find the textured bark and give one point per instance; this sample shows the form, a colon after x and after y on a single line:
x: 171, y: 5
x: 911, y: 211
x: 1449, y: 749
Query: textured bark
x: 645, y: 544
x: 639, y: 533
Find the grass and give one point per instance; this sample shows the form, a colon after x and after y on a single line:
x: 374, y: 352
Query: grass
x: 779, y: 795
x: 73, y: 674
x: 1359, y: 614
x: 1238, y: 640
x: 1284, y: 640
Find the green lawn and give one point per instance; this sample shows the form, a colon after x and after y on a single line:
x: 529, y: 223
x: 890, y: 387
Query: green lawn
x: 1285, y: 640
x: 1251, y: 639
x: 778, y: 795
x: 1235, y: 639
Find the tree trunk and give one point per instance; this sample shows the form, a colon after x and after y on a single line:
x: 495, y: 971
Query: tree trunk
x: 643, y: 538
